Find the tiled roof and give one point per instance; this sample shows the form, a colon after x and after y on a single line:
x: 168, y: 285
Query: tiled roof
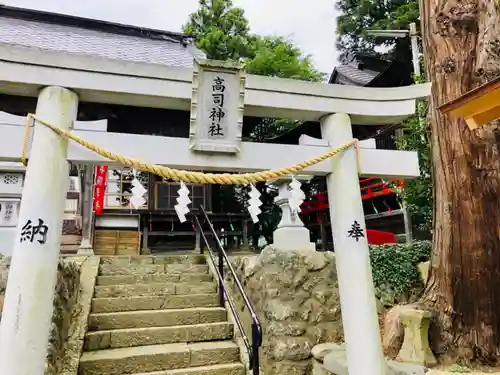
x: 84, y: 41
x: 350, y: 74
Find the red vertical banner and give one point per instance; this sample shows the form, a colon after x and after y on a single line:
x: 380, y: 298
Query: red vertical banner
x: 100, y: 188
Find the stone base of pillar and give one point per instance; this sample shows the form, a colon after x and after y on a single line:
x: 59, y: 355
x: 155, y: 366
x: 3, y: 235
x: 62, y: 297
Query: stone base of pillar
x: 318, y: 356
x: 85, y: 251
x: 85, y: 248
x: 331, y: 359
x: 293, y: 238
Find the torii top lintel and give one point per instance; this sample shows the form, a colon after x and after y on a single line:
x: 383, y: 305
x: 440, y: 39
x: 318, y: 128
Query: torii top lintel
x: 23, y: 71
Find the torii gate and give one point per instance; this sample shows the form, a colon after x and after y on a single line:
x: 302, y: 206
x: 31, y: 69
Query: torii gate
x: 60, y: 81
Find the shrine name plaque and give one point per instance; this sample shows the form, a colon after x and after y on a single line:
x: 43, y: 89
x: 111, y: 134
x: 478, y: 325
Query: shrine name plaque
x: 217, y: 107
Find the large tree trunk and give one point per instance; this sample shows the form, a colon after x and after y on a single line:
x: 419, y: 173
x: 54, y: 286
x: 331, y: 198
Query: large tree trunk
x: 462, y: 50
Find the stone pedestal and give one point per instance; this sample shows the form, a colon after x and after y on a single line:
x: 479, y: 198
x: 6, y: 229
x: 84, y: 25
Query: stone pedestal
x: 85, y: 248
x: 415, y: 348
x: 290, y: 233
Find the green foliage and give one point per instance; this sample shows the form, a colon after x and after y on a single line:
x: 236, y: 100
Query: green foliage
x: 418, y: 192
x: 395, y: 269
x: 277, y: 57
x: 220, y: 30
x: 358, y: 16
x: 459, y: 368
x: 223, y: 33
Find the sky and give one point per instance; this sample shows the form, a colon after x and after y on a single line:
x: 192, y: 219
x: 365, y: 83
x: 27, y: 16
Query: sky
x: 311, y: 27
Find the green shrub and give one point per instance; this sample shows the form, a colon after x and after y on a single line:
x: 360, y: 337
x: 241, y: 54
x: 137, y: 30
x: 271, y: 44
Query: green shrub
x: 395, y: 270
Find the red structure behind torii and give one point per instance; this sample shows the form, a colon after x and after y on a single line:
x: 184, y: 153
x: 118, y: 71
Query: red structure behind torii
x: 319, y: 200
x: 370, y: 188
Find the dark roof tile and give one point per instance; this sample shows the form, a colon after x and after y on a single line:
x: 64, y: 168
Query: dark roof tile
x: 352, y: 75
x: 78, y: 40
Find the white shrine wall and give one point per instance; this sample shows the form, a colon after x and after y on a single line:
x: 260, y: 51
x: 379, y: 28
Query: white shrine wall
x: 11, y: 187
x: 117, y: 221
x: 7, y: 240
x: 7, y: 233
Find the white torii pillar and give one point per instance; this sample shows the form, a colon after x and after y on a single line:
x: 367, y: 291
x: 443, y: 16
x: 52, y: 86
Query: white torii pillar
x: 28, y: 306
x: 357, y: 293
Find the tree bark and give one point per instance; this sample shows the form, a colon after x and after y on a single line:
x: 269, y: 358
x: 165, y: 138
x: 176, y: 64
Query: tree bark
x: 462, y: 50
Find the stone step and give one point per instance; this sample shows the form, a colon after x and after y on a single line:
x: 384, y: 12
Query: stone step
x: 156, y: 318
x: 153, y: 279
x: 130, y: 290
x: 150, y: 358
x: 122, y: 338
x: 125, y: 260
x: 109, y: 269
x: 226, y: 369
x: 107, y: 305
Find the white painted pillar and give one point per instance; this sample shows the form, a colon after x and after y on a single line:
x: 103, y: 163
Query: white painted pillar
x: 414, y: 49
x: 357, y: 295
x: 28, y: 305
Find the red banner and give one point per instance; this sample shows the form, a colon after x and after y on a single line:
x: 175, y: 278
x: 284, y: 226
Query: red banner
x: 100, y: 188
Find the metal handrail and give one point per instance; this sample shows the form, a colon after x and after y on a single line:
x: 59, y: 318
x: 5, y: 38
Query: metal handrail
x: 252, y: 347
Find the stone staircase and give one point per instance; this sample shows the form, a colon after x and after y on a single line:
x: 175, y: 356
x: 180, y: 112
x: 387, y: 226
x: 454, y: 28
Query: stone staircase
x: 158, y: 316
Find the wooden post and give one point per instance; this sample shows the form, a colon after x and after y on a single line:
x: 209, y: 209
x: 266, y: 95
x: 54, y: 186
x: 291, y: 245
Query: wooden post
x: 28, y: 308
x: 197, y: 247
x: 357, y: 294
x: 86, y: 198
x: 407, y: 222
x: 324, y: 238
x: 245, y: 234
x: 145, y: 236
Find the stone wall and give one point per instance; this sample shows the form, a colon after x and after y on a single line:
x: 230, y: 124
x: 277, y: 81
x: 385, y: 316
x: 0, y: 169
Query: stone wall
x: 66, y: 296
x: 296, y: 296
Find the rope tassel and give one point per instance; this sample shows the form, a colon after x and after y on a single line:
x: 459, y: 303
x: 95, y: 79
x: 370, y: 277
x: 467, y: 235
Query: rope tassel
x: 183, y: 175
